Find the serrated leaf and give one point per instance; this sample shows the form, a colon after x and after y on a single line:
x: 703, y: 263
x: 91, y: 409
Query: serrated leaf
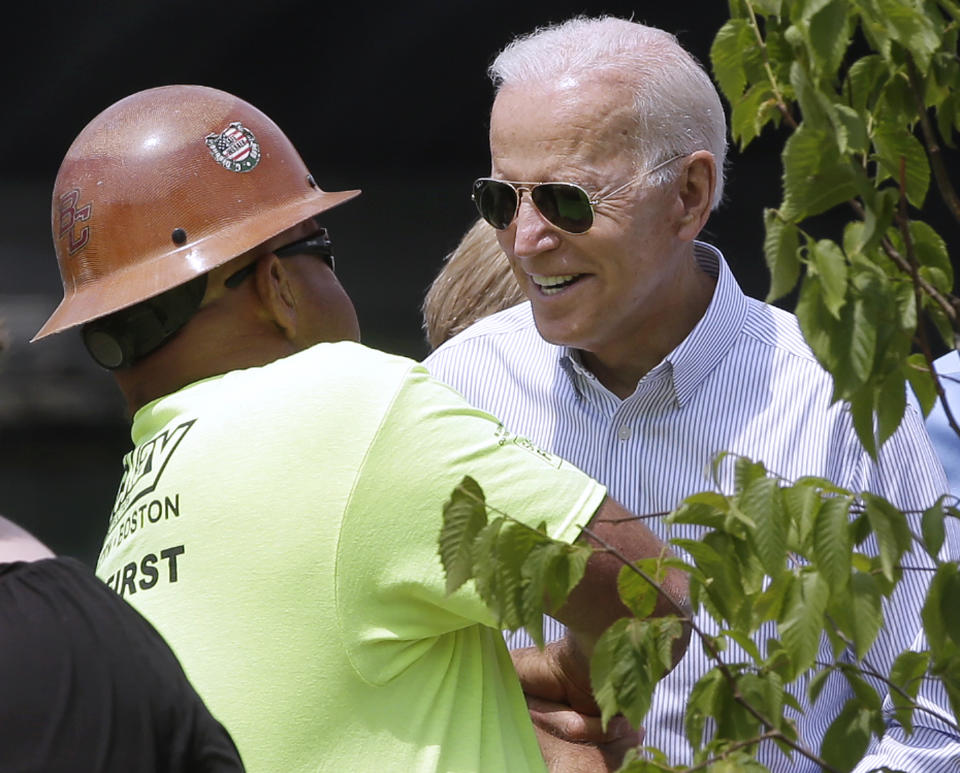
x: 816, y: 176
x: 769, y: 604
x: 832, y: 543
x: 878, y: 217
x: 896, y: 146
x: 515, y: 543
x: 486, y: 576
x: 765, y: 694
x: 817, y: 682
x: 865, y: 79
x: 891, y: 530
x: 701, y: 705
x: 866, y: 615
x: 628, y: 660
x: 549, y: 573
x: 891, y: 405
x: 780, y: 249
x: 845, y: 741
x: 464, y: 515
x: 730, y: 45
x: 907, y: 674
x: 806, y: 9
x: 723, y: 586
x: 746, y: 471
x: 699, y: 513
x: 768, y: 7
x: 829, y: 266
x: 948, y: 606
x: 747, y: 644
x: 862, y: 332
x: 802, y: 621
x: 802, y: 501
x: 931, y: 250
x: 815, y: 107
x: 948, y: 118
x: 751, y: 112
x: 853, y: 128
x: 829, y: 35
x: 932, y: 528
x: 638, y: 595
x: 861, y: 411
x: 921, y: 381
x: 762, y: 502
x: 909, y: 25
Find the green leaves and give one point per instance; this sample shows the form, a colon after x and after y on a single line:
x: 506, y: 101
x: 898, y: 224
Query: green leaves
x: 815, y: 176
x: 901, y: 156
x: 727, y: 56
x: 801, y: 623
x: 853, y: 142
x: 464, y: 515
x: 780, y: 249
x: 628, y: 661
x: 519, y: 572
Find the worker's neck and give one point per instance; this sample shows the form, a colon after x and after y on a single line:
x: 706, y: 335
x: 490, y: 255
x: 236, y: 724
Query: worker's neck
x: 192, y: 357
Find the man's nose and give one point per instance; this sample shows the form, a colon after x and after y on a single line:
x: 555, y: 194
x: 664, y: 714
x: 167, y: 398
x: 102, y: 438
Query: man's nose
x: 534, y: 233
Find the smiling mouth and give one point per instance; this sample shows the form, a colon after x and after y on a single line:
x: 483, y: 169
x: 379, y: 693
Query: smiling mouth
x: 551, y: 285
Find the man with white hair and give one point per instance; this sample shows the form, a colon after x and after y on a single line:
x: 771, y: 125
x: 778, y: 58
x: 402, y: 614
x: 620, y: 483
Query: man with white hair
x: 638, y: 356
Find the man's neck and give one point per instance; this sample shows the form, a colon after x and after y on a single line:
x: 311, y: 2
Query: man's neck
x: 620, y: 366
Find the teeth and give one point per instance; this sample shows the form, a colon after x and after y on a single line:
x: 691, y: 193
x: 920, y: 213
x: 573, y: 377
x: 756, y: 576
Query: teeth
x: 550, y: 285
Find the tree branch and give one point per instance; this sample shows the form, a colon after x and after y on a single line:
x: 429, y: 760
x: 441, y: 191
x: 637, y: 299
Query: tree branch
x: 934, y: 151
x: 774, y: 85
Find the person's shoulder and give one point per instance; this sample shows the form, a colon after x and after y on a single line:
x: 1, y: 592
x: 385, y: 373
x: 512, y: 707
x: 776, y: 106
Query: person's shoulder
x: 350, y: 359
x: 506, y: 331
x: 513, y: 321
x: 777, y: 328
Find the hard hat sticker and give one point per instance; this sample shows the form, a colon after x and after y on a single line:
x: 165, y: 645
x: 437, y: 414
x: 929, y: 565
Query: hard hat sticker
x: 235, y: 148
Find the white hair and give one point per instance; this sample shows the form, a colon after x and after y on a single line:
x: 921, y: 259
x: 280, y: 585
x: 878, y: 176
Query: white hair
x: 678, y: 110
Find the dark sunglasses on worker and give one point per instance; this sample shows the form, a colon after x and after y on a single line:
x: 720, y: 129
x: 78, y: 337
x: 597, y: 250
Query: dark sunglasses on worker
x: 565, y: 205
x: 319, y: 244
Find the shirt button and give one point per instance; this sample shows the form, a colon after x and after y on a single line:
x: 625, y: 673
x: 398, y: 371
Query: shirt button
x: 624, y: 432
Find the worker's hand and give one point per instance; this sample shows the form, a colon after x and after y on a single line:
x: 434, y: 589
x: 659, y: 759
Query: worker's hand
x: 556, y: 685
x: 559, y: 673
x: 593, y: 751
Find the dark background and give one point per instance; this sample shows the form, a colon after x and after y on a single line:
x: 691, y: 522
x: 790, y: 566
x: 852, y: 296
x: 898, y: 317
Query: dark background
x: 390, y: 98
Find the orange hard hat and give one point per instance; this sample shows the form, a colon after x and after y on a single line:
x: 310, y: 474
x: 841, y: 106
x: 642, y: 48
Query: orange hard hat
x: 164, y: 186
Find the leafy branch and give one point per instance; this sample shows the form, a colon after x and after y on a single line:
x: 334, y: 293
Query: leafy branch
x: 771, y: 551
x: 852, y: 126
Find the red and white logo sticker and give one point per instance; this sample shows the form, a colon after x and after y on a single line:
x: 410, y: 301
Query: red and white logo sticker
x: 235, y: 148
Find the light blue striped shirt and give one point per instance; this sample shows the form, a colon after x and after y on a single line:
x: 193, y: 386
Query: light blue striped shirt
x: 743, y: 381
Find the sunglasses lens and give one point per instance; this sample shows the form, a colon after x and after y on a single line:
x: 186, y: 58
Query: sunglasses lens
x: 496, y: 202
x: 566, y: 206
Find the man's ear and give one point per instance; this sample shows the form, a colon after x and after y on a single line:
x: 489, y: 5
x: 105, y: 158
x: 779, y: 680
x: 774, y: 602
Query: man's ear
x: 276, y: 293
x: 696, y: 188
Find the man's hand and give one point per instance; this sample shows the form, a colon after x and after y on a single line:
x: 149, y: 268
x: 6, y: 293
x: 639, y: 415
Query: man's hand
x: 565, y: 717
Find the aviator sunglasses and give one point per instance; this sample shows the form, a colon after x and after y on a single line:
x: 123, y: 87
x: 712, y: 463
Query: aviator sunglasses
x: 565, y: 205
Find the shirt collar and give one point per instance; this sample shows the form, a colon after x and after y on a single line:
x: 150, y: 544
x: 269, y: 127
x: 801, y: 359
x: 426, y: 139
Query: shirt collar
x: 702, y: 350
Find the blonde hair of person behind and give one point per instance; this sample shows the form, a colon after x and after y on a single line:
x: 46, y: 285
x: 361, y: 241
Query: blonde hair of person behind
x: 475, y: 281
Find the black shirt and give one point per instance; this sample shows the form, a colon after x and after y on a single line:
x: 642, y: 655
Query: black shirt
x: 87, y: 685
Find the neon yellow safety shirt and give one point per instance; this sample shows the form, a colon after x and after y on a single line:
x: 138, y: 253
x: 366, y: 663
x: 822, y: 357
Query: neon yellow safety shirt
x: 279, y: 526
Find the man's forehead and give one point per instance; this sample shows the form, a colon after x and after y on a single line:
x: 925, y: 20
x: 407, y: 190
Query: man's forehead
x: 587, y: 120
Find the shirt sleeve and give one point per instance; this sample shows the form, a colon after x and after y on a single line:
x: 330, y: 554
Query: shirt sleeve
x: 391, y: 587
